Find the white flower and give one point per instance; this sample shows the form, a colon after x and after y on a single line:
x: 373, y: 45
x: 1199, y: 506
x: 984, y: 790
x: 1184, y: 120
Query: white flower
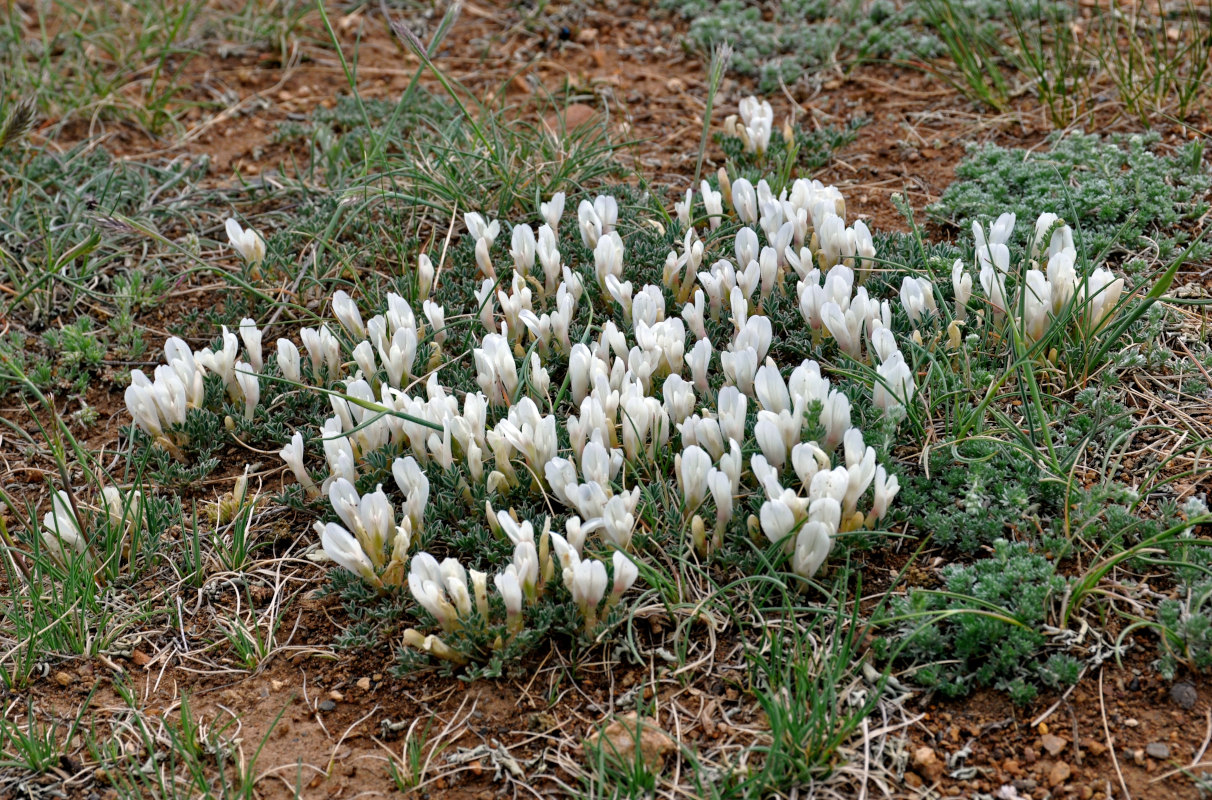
x: 292, y: 454
x: 523, y: 250
x: 721, y: 493
x: 511, y: 593
x: 895, y: 387
x: 917, y: 297
x: 588, y: 586
x: 344, y: 549
x: 549, y: 256
x: 713, y: 201
x: 807, y: 459
x: 526, y: 562
x: 1062, y: 278
x: 346, y: 311
x: 683, y: 208
x: 415, y: 485
x: 625, y: 574
x: 777, y: 521
x: 425, y: 275
x: 250, y: 387
x: 252, y: 342
x: 608, y: 258
x: 364, y: 357
x: 589, y: 223
x: 61, y: 535
x: 288, y: 361
x: 699, y: 362
x: 886, y: 487
x: 740, y: 368
x: 812, y: 546
x: 835, y: 418
x: 961, y: 283
x: 247, y: 242
x: 771, y: 390
x: 480, y: 229
x: 617, y: 522
x: 436, y: 315
x: 758, y: 118
x: 427, y: 583
x: 1037, y: 303
x: 1098, y: 297
x: 141, y: 405
x: 552, y: 211
x: 691, y: 467
x: 744, y: 201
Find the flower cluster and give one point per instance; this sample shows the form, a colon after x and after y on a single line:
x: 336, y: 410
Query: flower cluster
x: 1045, y: 294
x: 647, y: 380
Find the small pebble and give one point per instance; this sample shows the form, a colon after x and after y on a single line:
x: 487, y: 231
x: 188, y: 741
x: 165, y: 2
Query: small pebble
x: 1184, y: 694
x: 1158, y: 750
x: 327, y: 705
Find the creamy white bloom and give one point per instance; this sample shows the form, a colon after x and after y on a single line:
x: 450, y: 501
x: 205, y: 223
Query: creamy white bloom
x: 691, y: 467
x: 346, y: 312
x: 247, y: 242
x: 510, y: 590
x: 480, y: 228
x: 61, y: 534
x: 961, y: 284
x: 625, y: 574
x: 292, y: 454
x: 895, y: 387
x: 343, y: 548
x: 744, y: 201
x: 713, y: 201
x: 250, y: 387
x: 251, y: 335
x: 588, y: 586
x: 553, y: 210
x: 288, y: 361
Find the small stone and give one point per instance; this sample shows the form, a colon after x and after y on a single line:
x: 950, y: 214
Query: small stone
x: 1052, y: 743
x: 928, y: 764
x: 913, y: 781
x: 1158, y: 750
x: 139, y: 658
x: 624, y: 734
x: 327, y: 705
x: 575, y: 116
x: 364, y: 684
x: 1139, y: 757
x: 1184, y: 694
x: 1095, y: 747
x: 276, y: 684
x: 1059, y: 774
x: 335, y: 696
x: 64, y: 679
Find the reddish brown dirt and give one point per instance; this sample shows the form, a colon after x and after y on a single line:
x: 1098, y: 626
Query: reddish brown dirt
x: 624, y: 63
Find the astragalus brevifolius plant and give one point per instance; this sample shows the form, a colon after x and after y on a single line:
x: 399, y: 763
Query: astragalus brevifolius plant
x: 582, y: 395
